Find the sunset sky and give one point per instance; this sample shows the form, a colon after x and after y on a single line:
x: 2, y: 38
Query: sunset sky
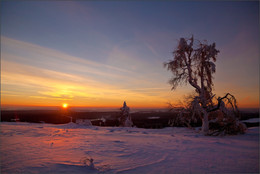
x: 99, y: 54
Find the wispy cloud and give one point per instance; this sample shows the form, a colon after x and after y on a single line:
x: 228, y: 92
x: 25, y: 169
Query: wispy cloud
x: 34, y: 54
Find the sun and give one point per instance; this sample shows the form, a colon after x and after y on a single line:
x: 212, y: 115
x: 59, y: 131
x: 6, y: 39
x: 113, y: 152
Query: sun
x: 64, y: 105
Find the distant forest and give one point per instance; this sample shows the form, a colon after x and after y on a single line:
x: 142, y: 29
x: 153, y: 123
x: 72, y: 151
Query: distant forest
x: 140, y: 119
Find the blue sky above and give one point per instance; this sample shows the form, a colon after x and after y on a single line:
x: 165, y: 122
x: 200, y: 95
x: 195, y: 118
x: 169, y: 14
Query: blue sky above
x: 123, y: 45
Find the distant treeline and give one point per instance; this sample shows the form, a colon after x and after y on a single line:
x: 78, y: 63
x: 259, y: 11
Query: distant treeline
x: 140, y: 119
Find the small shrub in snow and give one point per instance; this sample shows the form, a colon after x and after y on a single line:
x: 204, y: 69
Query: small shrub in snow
x: 88, y: 161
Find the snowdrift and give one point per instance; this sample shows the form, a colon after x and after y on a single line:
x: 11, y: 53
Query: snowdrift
x: 67, y: 148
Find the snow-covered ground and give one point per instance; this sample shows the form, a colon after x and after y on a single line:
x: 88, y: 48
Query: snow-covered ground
x: 47, y: 148
x: 252, y: 120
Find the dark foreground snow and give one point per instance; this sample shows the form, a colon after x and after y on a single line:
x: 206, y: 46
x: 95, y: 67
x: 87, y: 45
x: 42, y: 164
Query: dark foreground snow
x: 46, y: 148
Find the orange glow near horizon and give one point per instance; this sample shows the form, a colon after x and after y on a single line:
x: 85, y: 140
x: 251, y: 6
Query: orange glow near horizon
x: 130, y: 104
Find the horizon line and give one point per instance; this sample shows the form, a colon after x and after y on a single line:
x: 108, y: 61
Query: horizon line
x: 8, y: 106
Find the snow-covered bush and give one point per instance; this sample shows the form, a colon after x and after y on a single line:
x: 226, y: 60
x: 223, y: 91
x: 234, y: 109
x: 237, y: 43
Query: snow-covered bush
x: 226, y: 126
x: 125, y: 119
x: 183, y: 117
x: 225, y: 118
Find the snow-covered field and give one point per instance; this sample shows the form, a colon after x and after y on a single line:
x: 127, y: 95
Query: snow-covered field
x: 47, y: 148
x: 252, y: 120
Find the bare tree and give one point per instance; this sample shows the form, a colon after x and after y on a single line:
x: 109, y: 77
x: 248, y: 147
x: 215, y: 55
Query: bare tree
x: 194, y: 64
